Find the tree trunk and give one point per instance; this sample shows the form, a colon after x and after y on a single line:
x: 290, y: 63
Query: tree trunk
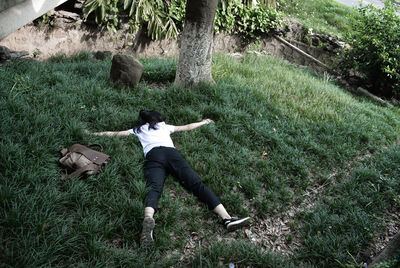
x: 195, y: 56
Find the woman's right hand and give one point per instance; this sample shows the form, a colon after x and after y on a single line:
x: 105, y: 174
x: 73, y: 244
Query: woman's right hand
x: 207, y: 121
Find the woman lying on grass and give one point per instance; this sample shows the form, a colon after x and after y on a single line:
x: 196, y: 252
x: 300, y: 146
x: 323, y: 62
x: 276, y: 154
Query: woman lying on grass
x: 161, y: 159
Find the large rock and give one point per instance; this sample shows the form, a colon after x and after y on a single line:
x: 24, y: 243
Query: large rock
x: 126, y: 70
x: 7, y: 54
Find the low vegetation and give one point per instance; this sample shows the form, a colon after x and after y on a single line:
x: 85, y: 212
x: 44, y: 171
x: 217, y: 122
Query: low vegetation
x: 374, y: 53
x: 320, y: 16
x: 165, y: 19
x: 284, y: 142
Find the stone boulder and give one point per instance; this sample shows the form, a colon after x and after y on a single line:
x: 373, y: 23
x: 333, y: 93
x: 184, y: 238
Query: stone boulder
x: 126, y: 70
x: 7, y: 54
x: 102, y: 55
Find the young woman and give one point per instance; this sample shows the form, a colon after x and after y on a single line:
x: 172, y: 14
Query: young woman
x: 161, y: 159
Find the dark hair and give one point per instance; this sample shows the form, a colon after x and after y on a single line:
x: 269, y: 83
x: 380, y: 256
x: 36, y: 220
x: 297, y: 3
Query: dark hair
x: 151, y: 117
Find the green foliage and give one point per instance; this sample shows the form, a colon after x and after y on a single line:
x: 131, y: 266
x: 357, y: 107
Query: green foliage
x: 375, y: 48
x: 160, y: 22
x: 165, y: 19
x: 236, y: 17
x: 44, y: 20
x: 104, y: 11
x: 176, y: 10
x: 155, y: 16
x: 256, y: 21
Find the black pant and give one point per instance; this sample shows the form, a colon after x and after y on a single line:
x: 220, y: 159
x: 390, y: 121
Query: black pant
x: 160, y: 162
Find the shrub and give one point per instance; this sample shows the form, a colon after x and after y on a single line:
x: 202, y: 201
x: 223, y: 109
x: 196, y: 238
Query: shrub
x: 159, y: 18
x: 164, y: 19
x: 247, y: 20
x: 375, y: 48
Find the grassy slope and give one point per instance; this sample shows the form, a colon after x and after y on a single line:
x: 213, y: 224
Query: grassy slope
x: 310, y: 129
x: 325, y: 16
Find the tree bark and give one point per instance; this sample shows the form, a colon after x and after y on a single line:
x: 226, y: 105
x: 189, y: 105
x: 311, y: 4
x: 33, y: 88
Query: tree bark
x: 195, y: 56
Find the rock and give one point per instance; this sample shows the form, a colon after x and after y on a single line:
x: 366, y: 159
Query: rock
x: 62, y: 17
x: 70, y: 16
x: 7, y: 54
x: 79, y: 4
x: 126, y: 70
x: 102, y: 55
x: 236, y: 55
x: 257, y: 53
x: 291, y: 29
x: 328, y: 40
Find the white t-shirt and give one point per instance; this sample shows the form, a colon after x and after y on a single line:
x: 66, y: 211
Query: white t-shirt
x: 150, y: 138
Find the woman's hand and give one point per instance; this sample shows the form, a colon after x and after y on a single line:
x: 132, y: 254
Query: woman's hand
x: 193, y: 125
x: 207, y: 121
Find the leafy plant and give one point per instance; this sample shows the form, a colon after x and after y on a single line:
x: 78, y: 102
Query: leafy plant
x: 104, y: 11
x: 225, y: 16
x: 257, y: 20
x: 153, y: 14
x: 240, y: 17
x: 375, y: 49
x: 165, y: 19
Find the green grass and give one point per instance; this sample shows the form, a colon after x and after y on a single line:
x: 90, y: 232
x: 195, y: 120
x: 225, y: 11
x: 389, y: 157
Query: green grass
x: 314, y: 133
x: 325, y: 16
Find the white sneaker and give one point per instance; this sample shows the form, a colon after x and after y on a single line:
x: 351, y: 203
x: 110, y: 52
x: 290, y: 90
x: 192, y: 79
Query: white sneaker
x: 235, y: 223
x: 146, y: 238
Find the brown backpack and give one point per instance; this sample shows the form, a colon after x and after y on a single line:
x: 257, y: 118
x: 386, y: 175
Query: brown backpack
x: 80, y: 159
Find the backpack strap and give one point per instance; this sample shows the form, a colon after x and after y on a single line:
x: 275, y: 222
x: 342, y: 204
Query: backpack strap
x: 98, y: 145
x: 96, y: 157
x: 81, y: 170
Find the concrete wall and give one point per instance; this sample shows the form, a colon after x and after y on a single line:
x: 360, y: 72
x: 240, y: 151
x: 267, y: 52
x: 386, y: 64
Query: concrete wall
x: 16, y: 13
x: 6, y: 4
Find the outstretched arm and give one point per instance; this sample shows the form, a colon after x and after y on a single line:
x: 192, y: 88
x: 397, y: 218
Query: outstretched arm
x: 193, y: 125
x: 110, y: 133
